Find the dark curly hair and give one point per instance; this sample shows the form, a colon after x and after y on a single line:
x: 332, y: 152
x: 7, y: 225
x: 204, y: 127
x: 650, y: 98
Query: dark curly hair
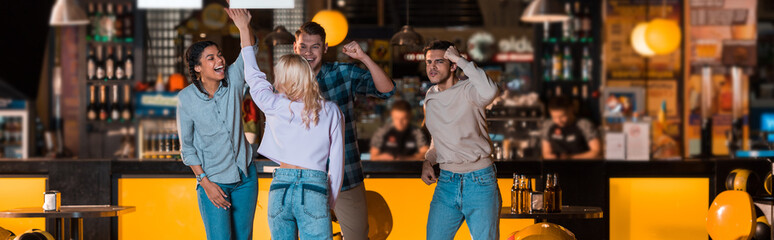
x: 192, y: 56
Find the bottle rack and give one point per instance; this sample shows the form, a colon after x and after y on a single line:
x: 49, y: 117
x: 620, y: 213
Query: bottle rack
x: 109, y: 72
x: 567, y: 57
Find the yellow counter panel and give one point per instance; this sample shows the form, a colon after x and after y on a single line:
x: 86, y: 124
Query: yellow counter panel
x: 658, y: 208
x: 167, y: 207
x: 18, y: 193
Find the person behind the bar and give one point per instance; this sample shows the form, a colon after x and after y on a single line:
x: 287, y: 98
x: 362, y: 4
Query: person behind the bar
x: 399, y: 139
x: 304, y: 135
x: 564, y: 137
x: 466, y: 188
x: 339, y: 83
x: 212, y: 137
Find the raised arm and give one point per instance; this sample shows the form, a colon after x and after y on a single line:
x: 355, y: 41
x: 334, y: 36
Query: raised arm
x: 485, y: 90
x: 241, y: 18
x: 336, y: 155
x: 260, y: 89
x: 382, y: 83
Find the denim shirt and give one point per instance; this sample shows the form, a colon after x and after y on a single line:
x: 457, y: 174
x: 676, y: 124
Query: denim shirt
x: 211, y: 131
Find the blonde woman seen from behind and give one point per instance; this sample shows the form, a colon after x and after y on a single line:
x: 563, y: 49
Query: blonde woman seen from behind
x: 302, y: 132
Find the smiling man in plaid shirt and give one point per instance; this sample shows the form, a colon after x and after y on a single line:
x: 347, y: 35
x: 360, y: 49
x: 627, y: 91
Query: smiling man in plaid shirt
x: 339, y: 83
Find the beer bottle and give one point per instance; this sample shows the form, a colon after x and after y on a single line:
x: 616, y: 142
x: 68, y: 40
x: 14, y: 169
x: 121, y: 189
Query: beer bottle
x: 557, y: 194
x: 526, y: 197
x: 549, y: 195
x: 515, y: 194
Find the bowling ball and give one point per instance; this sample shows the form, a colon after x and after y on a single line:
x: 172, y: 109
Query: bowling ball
x: 731, y: 216
x: 742, y: 180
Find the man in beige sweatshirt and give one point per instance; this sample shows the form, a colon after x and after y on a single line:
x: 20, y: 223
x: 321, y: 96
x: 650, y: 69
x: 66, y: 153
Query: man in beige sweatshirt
x: 454, y: 113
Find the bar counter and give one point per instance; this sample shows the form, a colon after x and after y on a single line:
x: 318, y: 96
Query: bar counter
x: 598, y: 183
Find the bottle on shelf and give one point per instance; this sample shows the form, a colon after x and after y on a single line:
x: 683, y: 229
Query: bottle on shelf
x: 567, y: 64
x: 160, y: 86
x: 115, y: 111
x: 526, y: 196
x: 120, y: 72
x: 118, y: 23
x: 103, y: 112
x: 96, y: 23
x: 126, y: 110
x: 2, y: 132
x: 567, y: 26
x: 90, y: 13
x: 100, y: 75
x: 549, y: 195
x: 586, y: 65
x: 556, y: 64
x: 586, y: 26
x: 110, y: 64
x: 129, y: 64
x: 547, y: 57
x: 108, y: 23
x: 128, y: 24
x: 557, y: 194
x: 515, y: 194
x: 577, y: 22
x: 91, y: 64
x: 91, y: 108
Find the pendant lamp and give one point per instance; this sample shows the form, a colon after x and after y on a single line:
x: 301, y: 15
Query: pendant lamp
x: 407, y: 36
x: 334, y: 23
x: 67, y: 13
x: 279, y: 35
x: 544, y: 11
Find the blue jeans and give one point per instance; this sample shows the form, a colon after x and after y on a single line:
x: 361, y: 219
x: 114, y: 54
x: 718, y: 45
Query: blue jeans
x: 237, y: 221
x: 298, y: 198
x: 473, y: 197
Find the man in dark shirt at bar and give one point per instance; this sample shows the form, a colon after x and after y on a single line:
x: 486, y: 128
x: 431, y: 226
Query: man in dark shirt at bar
x: 399, y: 139
x: 564, y: 137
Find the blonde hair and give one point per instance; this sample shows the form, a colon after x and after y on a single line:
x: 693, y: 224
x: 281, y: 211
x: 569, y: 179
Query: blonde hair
x: 295, y: 79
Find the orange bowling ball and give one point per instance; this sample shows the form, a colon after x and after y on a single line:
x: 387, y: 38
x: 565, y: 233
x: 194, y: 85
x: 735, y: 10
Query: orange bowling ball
x: 731, y: 216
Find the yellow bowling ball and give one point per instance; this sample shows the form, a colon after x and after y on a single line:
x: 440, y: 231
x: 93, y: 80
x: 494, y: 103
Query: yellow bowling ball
x: 731, y: 216
x: 742, y: 180
x: 542, y: 231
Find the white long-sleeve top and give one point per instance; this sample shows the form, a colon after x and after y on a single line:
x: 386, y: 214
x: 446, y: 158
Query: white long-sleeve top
x: 286, y: 138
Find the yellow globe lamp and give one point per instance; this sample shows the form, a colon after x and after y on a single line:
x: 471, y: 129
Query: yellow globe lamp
x: 638, y: 40
x: 335, y: 25
x: 663, y: 36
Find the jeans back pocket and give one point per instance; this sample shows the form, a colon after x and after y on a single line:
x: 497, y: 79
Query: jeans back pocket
x: 277, y: 194
x: 315, y: 201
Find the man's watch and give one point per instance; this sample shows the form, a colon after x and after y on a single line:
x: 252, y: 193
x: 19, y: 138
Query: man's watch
x: 200, y: 177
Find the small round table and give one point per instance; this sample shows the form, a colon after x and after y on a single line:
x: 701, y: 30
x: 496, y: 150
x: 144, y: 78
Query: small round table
x: 568, y: 212
x: 75, y: 213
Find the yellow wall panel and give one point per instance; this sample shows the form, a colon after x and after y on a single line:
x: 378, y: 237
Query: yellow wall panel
x: 658, y: 208
x: 168, y: 208
x: 20, y: 193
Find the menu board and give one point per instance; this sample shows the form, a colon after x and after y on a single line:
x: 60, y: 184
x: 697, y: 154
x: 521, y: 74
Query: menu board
x: 721, y: 34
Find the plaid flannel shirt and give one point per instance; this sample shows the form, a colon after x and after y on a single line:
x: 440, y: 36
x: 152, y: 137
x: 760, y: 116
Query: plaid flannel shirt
x: 339, y: 83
